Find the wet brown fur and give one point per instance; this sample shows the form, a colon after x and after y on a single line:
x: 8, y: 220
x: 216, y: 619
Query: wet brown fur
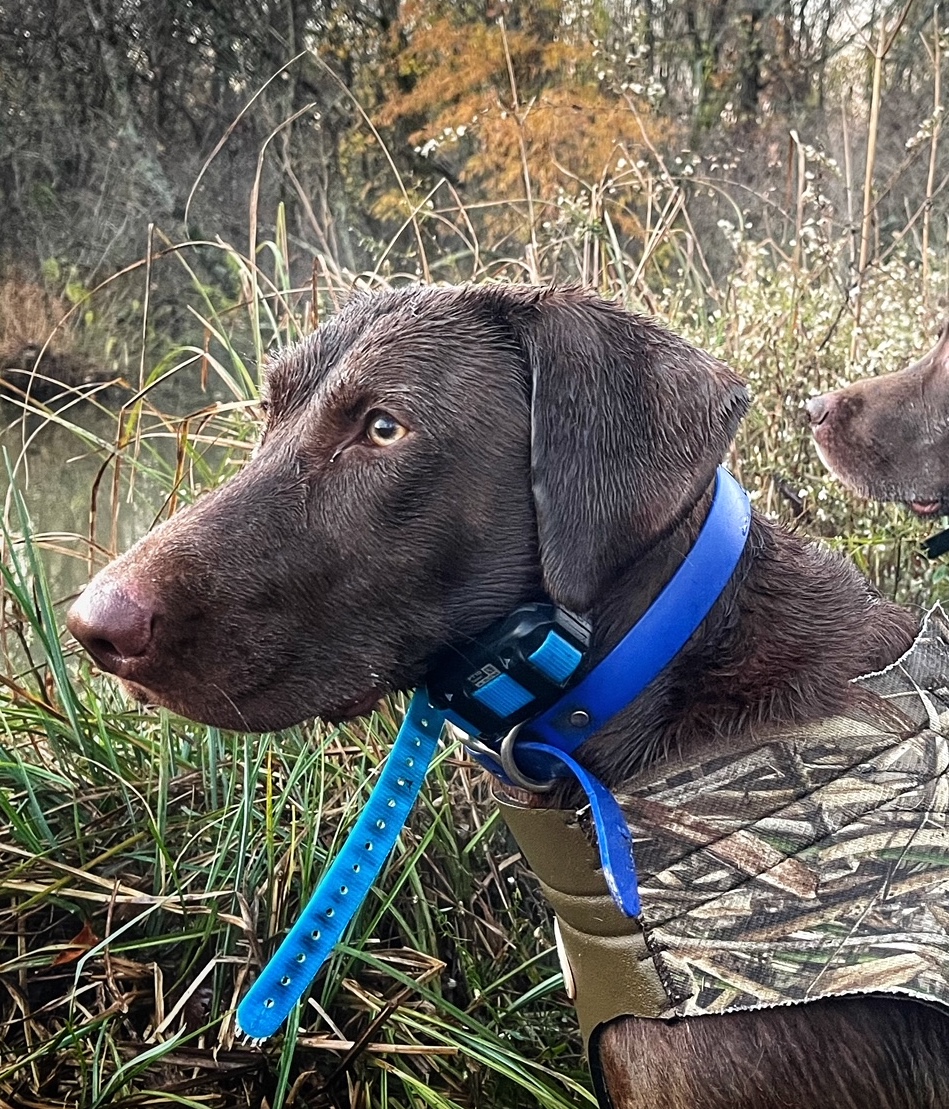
x: 557, y: 446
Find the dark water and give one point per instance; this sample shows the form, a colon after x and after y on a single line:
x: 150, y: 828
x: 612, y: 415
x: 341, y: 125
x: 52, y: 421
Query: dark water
x: 56, y: 468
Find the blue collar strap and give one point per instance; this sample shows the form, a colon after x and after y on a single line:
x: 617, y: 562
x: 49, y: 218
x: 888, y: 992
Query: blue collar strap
x: 643, y: 653
x: 345, y: 885
x: 534, y: 754
x: 537, y: 753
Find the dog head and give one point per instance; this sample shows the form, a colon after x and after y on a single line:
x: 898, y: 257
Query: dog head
x: 432, y: 458
x: 887, y: 437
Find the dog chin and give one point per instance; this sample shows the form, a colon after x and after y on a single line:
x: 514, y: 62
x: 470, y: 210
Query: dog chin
x: 222, y: 714
x: 926, y: 508
x: 261, y: 715
x: 358, y: 706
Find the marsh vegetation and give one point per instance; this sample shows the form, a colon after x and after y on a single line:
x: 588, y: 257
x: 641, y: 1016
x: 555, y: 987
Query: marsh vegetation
x: 768, y: 179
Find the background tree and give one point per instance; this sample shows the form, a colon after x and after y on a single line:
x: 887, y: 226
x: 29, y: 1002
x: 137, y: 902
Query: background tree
x: 528, y: 120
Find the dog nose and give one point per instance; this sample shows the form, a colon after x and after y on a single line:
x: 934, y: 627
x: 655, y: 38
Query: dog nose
x: 112, y: 626
x: 818, y: 409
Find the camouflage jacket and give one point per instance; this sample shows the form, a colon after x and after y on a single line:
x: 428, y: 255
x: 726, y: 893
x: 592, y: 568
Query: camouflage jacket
x: 815, y: 864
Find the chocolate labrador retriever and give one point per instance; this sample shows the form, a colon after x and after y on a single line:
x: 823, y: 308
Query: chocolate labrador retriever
x: 432, y: 458
x: 887, y: 437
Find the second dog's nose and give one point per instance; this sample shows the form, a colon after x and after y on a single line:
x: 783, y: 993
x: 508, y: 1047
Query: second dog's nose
x: 818, y: 409
x: 112, y: 626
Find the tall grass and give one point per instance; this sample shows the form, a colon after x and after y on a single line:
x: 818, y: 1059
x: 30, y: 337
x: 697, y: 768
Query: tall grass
x: 148, y: 865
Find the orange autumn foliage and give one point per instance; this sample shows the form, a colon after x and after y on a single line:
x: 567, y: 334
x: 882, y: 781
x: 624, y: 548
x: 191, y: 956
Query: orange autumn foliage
x: 496, y: 107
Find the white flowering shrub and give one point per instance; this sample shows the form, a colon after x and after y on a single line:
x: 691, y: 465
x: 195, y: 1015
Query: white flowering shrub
x: 788, y: 326
x: 787, y: 314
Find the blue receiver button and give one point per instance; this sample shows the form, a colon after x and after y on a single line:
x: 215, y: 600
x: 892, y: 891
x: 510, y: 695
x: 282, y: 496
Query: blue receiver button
x: 503, y: 696
x: 556, y: 658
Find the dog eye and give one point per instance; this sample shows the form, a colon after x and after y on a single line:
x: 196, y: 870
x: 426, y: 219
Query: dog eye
x: 383, y: 430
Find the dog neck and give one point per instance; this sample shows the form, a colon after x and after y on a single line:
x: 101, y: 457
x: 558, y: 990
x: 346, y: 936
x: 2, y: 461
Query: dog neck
x: 794, y: 625
x: 635, y: 591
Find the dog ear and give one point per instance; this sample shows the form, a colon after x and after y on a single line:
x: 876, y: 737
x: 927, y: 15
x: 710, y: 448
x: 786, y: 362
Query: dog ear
x: 629, y: 424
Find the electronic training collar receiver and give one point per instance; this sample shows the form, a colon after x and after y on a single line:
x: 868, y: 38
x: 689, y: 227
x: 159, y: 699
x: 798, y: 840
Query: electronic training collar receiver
x: 512, y: 672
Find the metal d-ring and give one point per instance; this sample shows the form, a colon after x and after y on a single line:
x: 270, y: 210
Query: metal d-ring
x: 513, y: 773
x: 479, y: 747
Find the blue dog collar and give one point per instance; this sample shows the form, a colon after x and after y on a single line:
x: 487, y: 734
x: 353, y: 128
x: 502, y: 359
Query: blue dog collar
x: 663, y: 630
x: 542, y: 747
x: 539, y: 752
x: 643, y: 653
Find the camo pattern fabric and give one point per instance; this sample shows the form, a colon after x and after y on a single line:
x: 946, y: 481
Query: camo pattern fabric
x: 816, y: 865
